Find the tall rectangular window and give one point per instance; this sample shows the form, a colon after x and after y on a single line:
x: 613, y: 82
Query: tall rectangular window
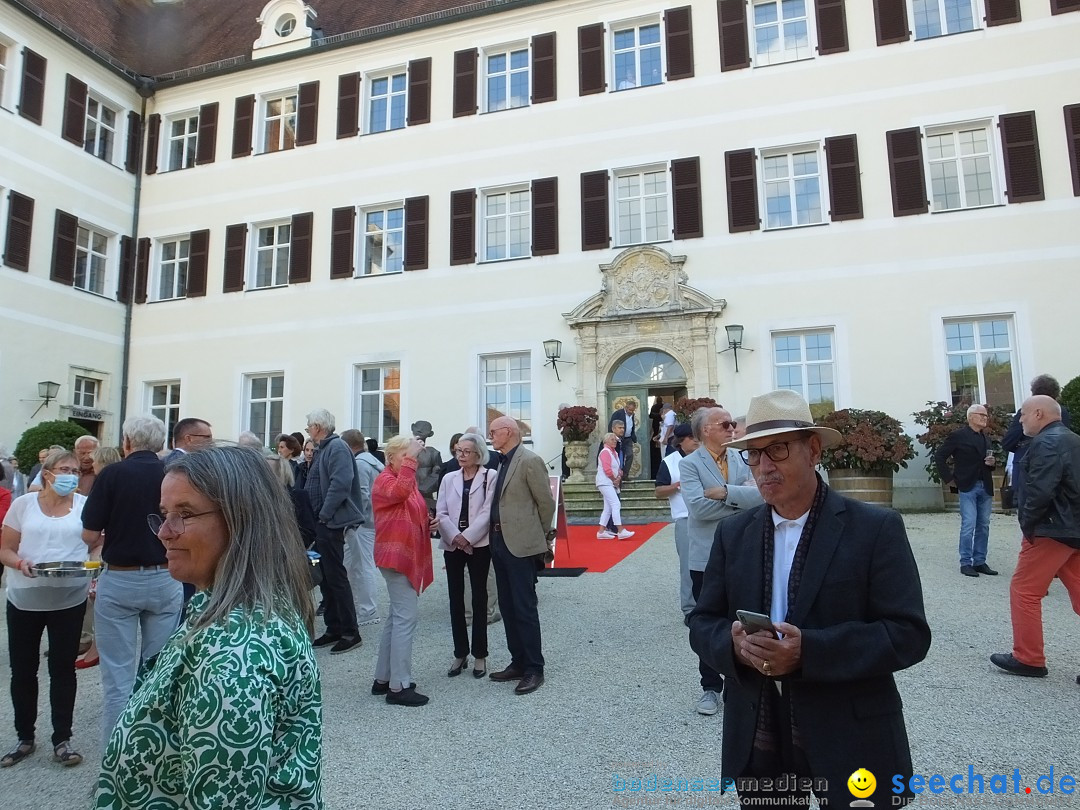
x: 792, y: 188
x: 383, y: 241
x: 781, y: 31
x: 165, y: 403
x: 507, y: 78
x: 265, y: 395
x: 379, y: 405
x: 961, y: 167
x: 386, y: 102
x: 804, y: 362
x: 183, y: 138
x: 936, y: 17
x: 5, y: 49
x: 279, y: 122
x: 636, y: 56
x: 100, y: 129
x: 506, y: 389
x: 641, y: 213
x: 507, y: 224
x: 173, y: 269
x: 272, y: 243
x: 981, y: 355
x: 91, y: 259
x: 86, y: 392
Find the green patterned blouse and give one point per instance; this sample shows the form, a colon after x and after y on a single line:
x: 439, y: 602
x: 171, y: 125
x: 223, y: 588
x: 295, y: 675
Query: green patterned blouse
x: 228, y: 718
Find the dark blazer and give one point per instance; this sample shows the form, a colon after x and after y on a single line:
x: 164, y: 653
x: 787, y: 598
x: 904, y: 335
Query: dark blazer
x: 860, y: 610
x: 967, y: 450
x: 620, y: 416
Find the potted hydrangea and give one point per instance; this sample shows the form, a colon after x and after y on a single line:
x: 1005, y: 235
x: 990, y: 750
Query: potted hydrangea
x: 576, y: 423
x: 873, y: 447
x: 685, y: 407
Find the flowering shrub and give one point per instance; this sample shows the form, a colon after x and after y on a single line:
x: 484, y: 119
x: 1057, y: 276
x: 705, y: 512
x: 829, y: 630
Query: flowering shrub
x: 577, y: 422
x: 685, y: 407
x: 872, y: 441
x: 941, y: 419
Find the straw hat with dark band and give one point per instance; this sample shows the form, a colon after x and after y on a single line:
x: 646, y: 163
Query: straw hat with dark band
x: 782, y: 412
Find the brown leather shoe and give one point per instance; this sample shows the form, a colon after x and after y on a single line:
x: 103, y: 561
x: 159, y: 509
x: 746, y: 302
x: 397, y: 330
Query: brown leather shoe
x: 508, y: 674
x: 530, y: 683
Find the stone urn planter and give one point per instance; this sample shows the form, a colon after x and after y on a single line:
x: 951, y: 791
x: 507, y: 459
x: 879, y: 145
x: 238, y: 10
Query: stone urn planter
x: 868, y: 487
x: 577, y: 458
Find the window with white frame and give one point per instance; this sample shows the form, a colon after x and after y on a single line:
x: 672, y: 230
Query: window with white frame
x: 933, y: 18
x: 636, y: 57
x: 506, y: 389
x: 961, y: 167
x: 805, y: 362
x: 172, y: 269
x: 279, y: 121
x: 506, y: 77
x: 271, y: 263
x: 384, y: 240
x: 91, y: 259
x: 386, y: 102
x: 781, y: 31
x: 164, y: 403
x: 792, y: 187
x: 379, y: 400
x: 86, y: 392
x: 506, y: 223
x: 265, y: 401
x: 642, y: 205
x: 182, y: 139
x: 981, y: 355
x: 5, y: 50
x: 100, y: 133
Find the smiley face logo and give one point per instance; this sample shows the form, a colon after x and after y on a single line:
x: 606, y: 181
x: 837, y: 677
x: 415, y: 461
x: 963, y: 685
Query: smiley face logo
x: 861, y: 783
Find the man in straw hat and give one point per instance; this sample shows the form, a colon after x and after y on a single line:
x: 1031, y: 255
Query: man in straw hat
x: 838, y: 579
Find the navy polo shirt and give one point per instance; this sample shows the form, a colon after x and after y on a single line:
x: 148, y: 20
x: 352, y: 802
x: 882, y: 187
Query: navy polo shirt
x: 123, y: 495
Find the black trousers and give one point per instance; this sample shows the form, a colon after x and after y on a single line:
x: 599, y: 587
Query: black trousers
x: 25, y: 628
x: 710, y: 678
x: 516, y: 580
x: 478, y: 564
x: 337, y: 595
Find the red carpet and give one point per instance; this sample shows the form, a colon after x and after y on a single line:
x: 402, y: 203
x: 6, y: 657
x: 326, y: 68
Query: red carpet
x: 583, y: 550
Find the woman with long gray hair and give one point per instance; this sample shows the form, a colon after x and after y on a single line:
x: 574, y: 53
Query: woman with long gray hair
x: 231, y: 712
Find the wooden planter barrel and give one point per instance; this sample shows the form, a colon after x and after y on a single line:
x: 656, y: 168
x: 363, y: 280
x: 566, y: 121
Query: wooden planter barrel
x: 863, y: 486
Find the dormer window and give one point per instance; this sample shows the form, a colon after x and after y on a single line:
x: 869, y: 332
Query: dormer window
x: 285, y: 26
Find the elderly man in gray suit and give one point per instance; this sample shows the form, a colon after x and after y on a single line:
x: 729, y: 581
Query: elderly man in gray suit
x: 716, y: 484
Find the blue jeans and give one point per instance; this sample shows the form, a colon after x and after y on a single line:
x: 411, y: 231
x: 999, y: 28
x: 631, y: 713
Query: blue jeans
x: 974, y: 524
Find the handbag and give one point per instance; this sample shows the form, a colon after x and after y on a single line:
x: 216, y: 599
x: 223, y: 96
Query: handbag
x: 1008, y: 494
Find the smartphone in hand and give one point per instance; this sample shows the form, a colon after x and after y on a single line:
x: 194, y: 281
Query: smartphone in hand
x: 753, y: 622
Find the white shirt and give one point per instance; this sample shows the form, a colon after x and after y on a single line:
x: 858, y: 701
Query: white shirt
x: 629, y: 424
x: 46, y: 539
x: 675, y: 500
x: 785, y: 541
x: 669, y: 426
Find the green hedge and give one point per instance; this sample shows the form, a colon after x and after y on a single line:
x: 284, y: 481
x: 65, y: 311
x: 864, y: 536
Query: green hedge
x: 45, y: 434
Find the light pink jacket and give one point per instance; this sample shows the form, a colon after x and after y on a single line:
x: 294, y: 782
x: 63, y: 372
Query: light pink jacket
x: 448, y: 507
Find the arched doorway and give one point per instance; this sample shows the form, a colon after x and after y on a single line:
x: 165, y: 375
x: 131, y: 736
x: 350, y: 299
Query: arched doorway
x: 649, y: 378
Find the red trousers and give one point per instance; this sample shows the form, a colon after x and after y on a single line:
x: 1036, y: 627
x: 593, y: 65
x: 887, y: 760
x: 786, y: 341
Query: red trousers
x: 1040, y: 561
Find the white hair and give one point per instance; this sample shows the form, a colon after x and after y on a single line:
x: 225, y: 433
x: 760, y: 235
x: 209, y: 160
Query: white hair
x: 145, y: 432
x: 322, y: 418
x: 973, y: 406
x: 86, y: 439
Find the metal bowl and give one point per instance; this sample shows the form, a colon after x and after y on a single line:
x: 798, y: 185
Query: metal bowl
x: 66, y: 568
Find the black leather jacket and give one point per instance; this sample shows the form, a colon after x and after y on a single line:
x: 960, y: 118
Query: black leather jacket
x: 1051, y: 502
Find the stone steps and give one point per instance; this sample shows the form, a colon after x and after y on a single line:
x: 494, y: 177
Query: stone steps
x: 639, y: 503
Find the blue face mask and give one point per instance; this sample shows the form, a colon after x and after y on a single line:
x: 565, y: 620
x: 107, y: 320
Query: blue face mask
x: 65, y: 484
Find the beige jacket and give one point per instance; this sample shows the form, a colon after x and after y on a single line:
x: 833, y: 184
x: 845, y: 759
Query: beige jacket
x: 526, y: 508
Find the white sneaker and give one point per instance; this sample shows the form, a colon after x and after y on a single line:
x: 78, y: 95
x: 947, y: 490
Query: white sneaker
x: 708, y: 703
x: 604, y: 534
x: 624, y: 535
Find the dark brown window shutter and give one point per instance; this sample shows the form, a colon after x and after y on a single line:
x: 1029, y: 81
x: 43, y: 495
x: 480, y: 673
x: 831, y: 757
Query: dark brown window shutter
x: 75, y: 111
x: 32, y: 92
x: 1023, y: 168
x: 342, y: 234
x: 543, y: 68
x: 416, y: 233
x: 1072, y: 132
x: 906, y: 172
x: 890, y: 21
x: 235, y: 247
x: 686, y: 198
x: 591, y: 59
x: 595, y: 221
x: 419, y: 103
x: 243, y: 121
x: 742, y: 190
x: 1061, y: 6
x: 134, y: 141
x: 348, y: 106
x: 734, y: 44
x: 845, y: 186
x: 153, y: 135
x: 20, y: 226
x: 307, y: 113
x: 678, y: 30
x: 63, y: 260
x: 465, y: 82
x: 831, y: 26
x: 545, y: 216
x: 1000, y: 12
x: 198, y: 261
x: 127, y: 270
x: 300, y: 248
x: 142, y: 270
x: 206, y: 141
x: 463, y: 226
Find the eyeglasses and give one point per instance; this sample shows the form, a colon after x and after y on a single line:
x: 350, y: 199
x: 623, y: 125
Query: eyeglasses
x: 175, y: 521
x: 64, y: 470
x: 463, y: 451
x: 776, y: 452
x: 727, y: 425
